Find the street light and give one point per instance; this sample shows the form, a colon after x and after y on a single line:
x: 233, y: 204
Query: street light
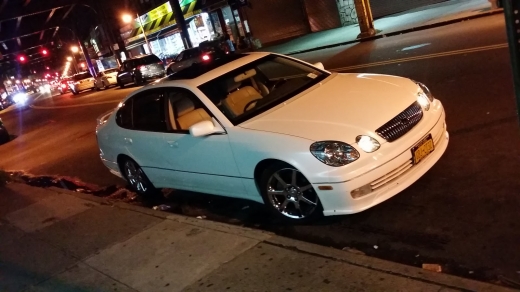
x: 74, y: 49
x: 127, y: 18
x: 73, y: 60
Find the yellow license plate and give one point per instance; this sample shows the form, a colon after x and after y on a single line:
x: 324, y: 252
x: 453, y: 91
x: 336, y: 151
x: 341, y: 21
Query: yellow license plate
x: 422, y: 149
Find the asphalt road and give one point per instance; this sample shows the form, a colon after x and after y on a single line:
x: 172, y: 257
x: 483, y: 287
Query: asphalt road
x: 463, y: 214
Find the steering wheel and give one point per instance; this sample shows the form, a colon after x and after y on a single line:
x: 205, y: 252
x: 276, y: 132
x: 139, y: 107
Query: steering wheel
x: 277, y: 83
x: 250, y: 103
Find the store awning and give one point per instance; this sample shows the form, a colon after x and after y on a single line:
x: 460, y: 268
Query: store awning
x: 164, y: 22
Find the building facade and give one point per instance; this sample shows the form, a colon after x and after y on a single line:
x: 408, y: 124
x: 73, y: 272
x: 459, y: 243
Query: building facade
x: 267, y: 21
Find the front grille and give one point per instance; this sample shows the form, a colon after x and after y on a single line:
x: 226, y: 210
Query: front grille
x: 401, y: 124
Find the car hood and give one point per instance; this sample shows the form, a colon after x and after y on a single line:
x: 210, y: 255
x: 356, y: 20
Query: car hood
x: 342, y: 107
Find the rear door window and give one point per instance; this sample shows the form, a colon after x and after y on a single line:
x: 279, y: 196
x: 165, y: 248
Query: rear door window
x: 151, y: 59
x: 148, y: 111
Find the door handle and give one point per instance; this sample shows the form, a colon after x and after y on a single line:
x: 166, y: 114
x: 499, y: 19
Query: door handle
x: 128, y: 141
x: 173, y: 144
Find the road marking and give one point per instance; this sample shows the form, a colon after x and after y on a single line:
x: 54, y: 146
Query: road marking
x: 74, y: 105
x: 430, y: 56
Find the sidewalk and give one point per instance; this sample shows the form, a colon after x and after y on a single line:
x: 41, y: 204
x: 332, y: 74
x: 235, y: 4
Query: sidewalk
x: 412, y: 20
x: 56, y: 240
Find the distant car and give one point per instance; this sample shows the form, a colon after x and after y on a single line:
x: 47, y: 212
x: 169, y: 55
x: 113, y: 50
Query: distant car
x: 4, y: 135
x: 82, y: 81
x: 5, y: 101
x: 105, y: 79
x: 139, y: 69
x: 279, y: 131
x: 64, y: 86
x: 195, y: 55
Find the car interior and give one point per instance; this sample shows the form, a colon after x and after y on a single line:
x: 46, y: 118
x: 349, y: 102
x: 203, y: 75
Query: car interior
x: 184, y: 113
x: 243, y: 92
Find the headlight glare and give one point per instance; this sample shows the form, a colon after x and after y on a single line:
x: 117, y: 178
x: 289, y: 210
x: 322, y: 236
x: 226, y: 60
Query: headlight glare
x: 334, y: 153
x: 367, y: 143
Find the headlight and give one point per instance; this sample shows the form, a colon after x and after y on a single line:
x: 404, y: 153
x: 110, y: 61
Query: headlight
x: 20, y: 98
x: 423, y: 100
x: 334, y: 153
x: 425, y: 90
x: 367, y: 143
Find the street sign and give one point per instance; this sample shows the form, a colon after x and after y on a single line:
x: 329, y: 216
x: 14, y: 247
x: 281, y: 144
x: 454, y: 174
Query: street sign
x: 512, y: 14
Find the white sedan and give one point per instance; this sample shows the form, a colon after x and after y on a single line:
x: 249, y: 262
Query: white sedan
x: 276, y: 130
x: 105, y: 79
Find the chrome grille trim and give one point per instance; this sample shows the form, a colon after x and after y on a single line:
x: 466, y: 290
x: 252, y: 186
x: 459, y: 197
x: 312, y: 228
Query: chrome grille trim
x: 401, y: 124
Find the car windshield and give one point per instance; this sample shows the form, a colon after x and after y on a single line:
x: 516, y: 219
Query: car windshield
x: 258, y: 86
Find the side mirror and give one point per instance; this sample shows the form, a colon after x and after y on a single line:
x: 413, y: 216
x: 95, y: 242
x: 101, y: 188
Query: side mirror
x: 319, y: 65
x: 205, y: 128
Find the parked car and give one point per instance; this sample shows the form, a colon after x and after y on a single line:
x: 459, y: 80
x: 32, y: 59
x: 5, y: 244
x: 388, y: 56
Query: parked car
x: 195, y: 55
x: 5, y: 101
x: 276, y: 130
x: 81, y: 81
x: 139, y: 69
x: 4, y: 135
x: 63, y: 85
x: 105, y: 79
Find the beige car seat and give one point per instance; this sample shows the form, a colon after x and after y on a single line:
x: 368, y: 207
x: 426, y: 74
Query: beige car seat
x: 187, y: 115
x: 237, y: 100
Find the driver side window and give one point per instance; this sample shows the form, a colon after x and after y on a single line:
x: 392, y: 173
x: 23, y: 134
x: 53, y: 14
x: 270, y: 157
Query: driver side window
x: 184, y: 109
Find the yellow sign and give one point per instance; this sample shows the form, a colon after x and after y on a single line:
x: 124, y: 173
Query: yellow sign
x: 157, y: 13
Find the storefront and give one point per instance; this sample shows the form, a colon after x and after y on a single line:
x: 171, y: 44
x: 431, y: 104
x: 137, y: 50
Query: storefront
x: 163, y: 33
x: 226, y: 21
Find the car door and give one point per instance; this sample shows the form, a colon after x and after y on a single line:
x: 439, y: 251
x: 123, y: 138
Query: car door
x: 181, y: 61
x: 204, y: 164
x: 143, y: 132
x: 126, y: 74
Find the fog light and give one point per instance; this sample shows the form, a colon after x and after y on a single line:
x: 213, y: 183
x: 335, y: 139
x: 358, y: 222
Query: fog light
x: 362, y: 191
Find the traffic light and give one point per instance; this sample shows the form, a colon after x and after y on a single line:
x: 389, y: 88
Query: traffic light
x: 22, y: 58
x: 45, y: 52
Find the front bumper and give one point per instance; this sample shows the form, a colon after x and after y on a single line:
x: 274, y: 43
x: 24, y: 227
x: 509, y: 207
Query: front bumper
x: 390, y: 178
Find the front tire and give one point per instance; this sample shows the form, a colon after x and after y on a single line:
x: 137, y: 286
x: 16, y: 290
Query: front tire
x: 136, y: 178
x: 289, y: 195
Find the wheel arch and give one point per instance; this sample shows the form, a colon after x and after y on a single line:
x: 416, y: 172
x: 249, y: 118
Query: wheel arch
x: 261, y: 166
x: 120, y: 159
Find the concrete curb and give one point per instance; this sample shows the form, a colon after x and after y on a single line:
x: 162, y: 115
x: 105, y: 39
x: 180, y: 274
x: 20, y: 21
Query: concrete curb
x: 396, y: 269
x: 413, y: 29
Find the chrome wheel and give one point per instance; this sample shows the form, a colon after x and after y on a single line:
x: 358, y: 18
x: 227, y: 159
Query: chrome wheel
x: 136, y: 177
x: 291, y: 194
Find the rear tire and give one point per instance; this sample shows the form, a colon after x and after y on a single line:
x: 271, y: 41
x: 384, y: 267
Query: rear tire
x: 289, y: 195
x: 121, y: 85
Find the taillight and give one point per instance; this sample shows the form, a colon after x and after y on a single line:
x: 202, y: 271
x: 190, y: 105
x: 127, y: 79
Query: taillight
x: 205, y: 57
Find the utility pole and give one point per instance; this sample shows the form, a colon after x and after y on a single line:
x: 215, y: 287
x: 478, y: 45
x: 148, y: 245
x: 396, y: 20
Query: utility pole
x: 365, y: 19
x: 512, y: 15
x: 181, y: 22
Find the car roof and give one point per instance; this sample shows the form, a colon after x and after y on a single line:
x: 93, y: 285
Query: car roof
x: 198, y: 74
